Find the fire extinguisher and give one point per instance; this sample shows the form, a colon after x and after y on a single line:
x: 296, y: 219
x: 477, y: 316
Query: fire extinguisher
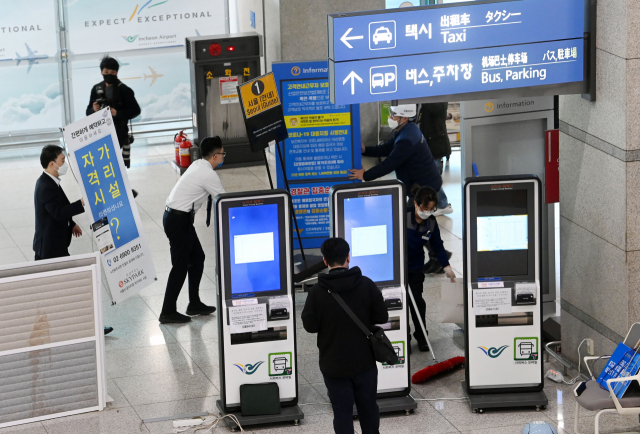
x: 177, y: 140
x: 185, y: 152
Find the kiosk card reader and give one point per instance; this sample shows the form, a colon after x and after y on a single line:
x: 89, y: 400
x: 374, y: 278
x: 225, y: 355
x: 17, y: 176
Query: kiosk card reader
x: 503, y: 306
x: 371, y: 217
x: 256, y: 320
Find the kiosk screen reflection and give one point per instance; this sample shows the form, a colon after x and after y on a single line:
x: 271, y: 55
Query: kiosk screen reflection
x: 368, y: 224
x: 255, y: 256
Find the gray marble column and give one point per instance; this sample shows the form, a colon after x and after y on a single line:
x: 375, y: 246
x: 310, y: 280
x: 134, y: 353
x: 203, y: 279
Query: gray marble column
x: 600, y: 191
x: 303, y: 32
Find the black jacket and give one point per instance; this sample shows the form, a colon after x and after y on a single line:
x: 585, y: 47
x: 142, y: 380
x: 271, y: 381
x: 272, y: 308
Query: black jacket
x: 345, y: 351
x: 416, y: 234
x: 53, y: 219
x: 125, y: 104
x: 409, y: 155
x: 433, y: 124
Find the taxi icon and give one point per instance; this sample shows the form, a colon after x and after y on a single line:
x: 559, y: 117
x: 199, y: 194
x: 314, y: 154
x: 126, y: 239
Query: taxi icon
x: 382, y: 34
x: 377, y: 80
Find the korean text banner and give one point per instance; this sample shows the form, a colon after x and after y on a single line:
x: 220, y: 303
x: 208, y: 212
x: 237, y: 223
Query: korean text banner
x: 96, y: 160
x: 323, y: 144
x: 458, y: 72
x: 119, y: 25
x: 28, y: 37
x: 380, y: 34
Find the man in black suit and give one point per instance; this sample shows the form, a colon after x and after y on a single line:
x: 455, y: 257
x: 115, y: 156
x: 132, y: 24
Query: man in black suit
x: 54, y: 212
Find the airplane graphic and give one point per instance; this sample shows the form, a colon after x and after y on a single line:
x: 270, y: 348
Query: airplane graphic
x: 154, y: 76
x: 31, y: 57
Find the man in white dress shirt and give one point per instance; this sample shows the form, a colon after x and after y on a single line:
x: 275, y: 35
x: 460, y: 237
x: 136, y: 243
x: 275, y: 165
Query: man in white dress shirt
x: 199, y: 183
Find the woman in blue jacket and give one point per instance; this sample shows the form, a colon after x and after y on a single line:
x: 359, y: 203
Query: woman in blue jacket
x: 422, y: 226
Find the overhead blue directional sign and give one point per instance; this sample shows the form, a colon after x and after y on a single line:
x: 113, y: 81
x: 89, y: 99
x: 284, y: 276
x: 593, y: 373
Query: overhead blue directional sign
x: 457, y: 72
x: 378, y: 34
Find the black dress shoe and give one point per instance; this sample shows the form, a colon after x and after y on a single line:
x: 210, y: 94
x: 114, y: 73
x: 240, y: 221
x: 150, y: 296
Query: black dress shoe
x: 178, y: 318
x: 107, y: 330
x: 135, y: 193
x: 423, y: 346
x: 200, y: 309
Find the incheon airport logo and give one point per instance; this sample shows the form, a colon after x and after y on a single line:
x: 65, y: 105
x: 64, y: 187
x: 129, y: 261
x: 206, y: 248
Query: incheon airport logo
x: 494, y: 352
x: 130, y: 38
x: 248, y: 369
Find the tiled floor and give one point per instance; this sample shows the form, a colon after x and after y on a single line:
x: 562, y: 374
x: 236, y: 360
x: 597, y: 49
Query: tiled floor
x: 155, y: 370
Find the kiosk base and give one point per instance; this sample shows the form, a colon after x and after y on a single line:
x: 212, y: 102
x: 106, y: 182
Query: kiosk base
x: 390, y: 405
x: 288, y: 414
x: 505, y: 400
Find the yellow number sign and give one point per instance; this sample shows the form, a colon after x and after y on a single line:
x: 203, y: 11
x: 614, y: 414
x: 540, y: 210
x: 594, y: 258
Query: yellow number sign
x: 259, y: 95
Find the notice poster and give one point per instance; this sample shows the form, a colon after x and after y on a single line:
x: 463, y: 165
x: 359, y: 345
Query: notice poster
x: 120, y: 25
x: 229, y: 90
x: 323, y: 144
x: 96, y: 159
x: 245, y: 319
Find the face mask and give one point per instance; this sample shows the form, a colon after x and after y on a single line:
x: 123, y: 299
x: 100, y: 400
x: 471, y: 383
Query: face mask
x: 62, y: 169
x: 220, y: 163
x: 110, y: 78
x: 393, y: 124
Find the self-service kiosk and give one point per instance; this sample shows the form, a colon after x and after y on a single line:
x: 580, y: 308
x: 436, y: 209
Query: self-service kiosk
x: 503, y: 303
x: 256, y: 320
x: 371, y: 217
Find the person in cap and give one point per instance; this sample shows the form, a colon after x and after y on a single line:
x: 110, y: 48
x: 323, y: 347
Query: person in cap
x: 408, y: 154
x: 199, y: 183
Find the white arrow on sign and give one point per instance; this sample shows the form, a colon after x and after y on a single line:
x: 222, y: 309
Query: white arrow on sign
x: 353, y: 77
x: 345, y: 39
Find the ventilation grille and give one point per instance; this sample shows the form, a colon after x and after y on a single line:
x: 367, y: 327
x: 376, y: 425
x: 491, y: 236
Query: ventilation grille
x: 188, y: 45
x: 46, y: 310
x: 45, y: 382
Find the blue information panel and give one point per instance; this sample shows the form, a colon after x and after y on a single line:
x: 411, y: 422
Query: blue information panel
x: 311, y: 205
x: 323, y: 143
x: 100, y: 174
x: 458, y: 72
x: 437, y: 29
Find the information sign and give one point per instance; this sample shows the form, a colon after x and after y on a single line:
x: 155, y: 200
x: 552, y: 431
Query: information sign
x: 96, y: 159
x: 380, y: 34
x: 262, y: 112
x: 323, y: 144
x: 458, y: 72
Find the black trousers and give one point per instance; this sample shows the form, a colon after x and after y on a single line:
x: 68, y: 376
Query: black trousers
x: 361, y: 389
x: 416, y: 279
x: 187, y: 257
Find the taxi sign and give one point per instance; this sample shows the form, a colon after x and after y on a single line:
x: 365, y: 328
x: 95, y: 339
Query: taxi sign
x: 259, y: 95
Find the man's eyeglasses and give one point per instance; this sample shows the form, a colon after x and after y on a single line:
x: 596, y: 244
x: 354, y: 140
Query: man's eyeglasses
x: 224, y: 154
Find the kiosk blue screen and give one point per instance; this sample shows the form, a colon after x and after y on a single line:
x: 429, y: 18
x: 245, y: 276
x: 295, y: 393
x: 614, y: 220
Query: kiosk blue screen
x: 368, y: 228
x: 255, y: 249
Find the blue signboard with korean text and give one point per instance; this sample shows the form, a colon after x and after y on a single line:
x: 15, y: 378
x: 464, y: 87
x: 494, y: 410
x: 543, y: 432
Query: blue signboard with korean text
x: 462, y: 50
x: 96, y: 160
x: 410, y: 31
x: 458, y: 72
x: 323, y: 144
x: 102, y: 179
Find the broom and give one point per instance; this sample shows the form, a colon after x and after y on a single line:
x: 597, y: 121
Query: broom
x: 432, y: 370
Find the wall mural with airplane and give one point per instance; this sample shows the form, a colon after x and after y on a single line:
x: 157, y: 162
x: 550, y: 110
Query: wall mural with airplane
x: 30, y: 88
x: 159, y: 79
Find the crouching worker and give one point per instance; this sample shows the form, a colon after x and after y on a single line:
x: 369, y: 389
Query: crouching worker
x: 422, y: 226
x: 346, y: 357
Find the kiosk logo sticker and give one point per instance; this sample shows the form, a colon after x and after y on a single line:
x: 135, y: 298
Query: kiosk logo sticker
x: 494, y: 352
x: 280, y: 364
x: 248, y: 369
x: 525, y: 350
x: 398, y: 347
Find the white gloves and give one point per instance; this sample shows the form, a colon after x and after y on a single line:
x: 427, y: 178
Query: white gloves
x: 448, y: 271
